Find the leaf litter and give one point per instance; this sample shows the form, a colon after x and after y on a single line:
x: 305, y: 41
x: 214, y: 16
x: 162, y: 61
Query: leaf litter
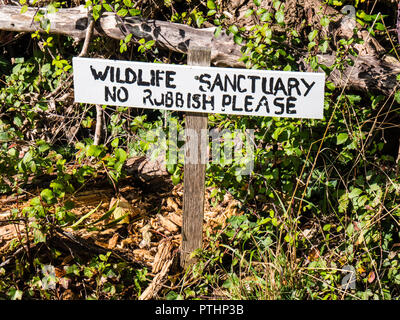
x: 142, y: 227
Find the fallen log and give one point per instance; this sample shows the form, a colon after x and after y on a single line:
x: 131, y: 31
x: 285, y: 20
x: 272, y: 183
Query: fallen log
x: 369, y: 73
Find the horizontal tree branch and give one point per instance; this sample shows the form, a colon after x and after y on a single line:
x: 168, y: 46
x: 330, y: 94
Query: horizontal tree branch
x: 370, y: 72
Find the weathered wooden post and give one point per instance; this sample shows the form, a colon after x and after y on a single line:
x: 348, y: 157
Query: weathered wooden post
x: 194, y: 169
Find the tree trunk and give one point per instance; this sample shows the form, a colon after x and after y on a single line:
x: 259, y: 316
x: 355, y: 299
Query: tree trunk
x: 370, y: 72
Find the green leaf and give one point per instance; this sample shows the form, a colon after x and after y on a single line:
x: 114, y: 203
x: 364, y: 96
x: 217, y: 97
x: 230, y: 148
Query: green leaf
x: 18, y: 121
x: 353, y: 98
x: 237, y: 39
x: 276, y: 4
x: 4, y: 136
x: 325, y: 21
x: 233, y: 29
x: 312, y: 35
x: 257, y: 2
x: 115, y: 143
x: 121, y: 155
x: 280, y: 16
x: 330, y: 85
x: 107, y: 7
x: 172, y: 295
x: 87, y: 272
x: 27, y: 157
x: 33, y: 166
x: 327, y: 227
x: 287, y: 68
x: 73, y: 269
x: 355, y: 193
x: 266, y: 17
x: 231, y: 282
x: 217, y: 31
x: 48, y: 196
x: 38, y: 236
x: 134, y: 12
x: 248, y: 13
x: 341, y: 138
x: 94, y: 151
x: 128, y: 3
x: 15, y: 294
x: 311, y: 45
x: 24, y: 9
x: 380, y: 27
x: 213, y: 193
x: 288, y: 239
x: 324, y: 46
x: 149, y: 44
x: 43, y: 146
x: 211, y: 5
x: 122, y: 12
x: 175, y: 179
x: 199, y: 20
x: 397, y: 96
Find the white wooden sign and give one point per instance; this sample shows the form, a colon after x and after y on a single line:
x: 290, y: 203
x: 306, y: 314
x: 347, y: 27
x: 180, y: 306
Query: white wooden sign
x: 199, y: 89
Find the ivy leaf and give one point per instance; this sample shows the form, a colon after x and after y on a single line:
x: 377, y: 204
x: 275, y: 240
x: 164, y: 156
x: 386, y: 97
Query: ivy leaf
x: 355, y: 193
x: 15, y: 294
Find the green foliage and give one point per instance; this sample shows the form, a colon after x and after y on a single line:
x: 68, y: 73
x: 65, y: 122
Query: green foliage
x: 323, y: 194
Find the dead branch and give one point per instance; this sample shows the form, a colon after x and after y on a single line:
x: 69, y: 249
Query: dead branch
x: 371, y: 72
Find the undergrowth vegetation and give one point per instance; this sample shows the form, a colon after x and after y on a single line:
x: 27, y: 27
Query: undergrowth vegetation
x: 321, y: 207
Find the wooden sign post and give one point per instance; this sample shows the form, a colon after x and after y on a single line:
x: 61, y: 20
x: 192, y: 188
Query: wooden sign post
x: 198, y: 89
x: 194, y: 169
